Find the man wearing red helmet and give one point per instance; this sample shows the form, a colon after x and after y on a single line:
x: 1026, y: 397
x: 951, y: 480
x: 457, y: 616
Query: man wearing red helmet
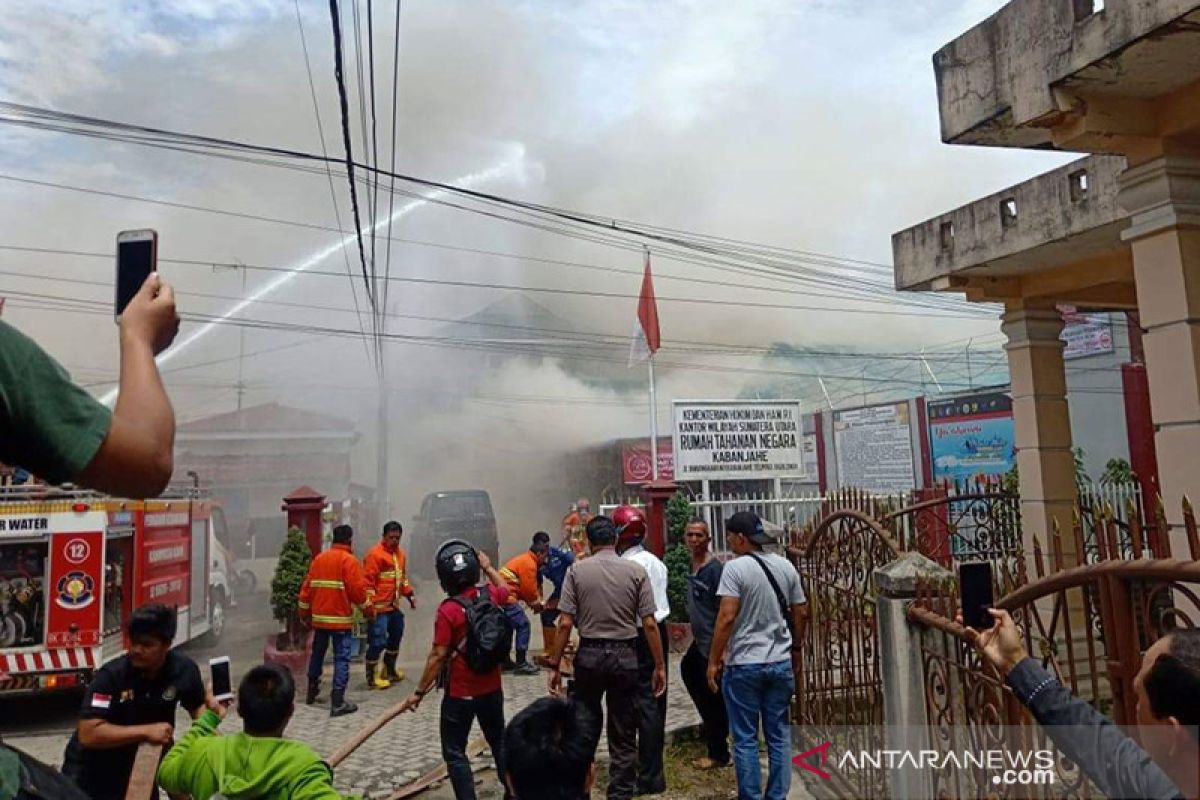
x: 652, y: 710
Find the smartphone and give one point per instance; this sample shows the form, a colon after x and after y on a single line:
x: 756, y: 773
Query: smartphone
x: 222, y: 685
x: 975, y: 594
x: 137, y: 257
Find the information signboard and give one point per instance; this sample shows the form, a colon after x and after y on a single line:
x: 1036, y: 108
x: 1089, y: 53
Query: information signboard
x: 735, y: 439
x: 874, y: 448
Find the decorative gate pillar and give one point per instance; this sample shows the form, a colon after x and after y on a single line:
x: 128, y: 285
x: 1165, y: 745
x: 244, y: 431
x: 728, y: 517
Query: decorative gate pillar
x: 1042, y: 422
x: 905, y: 713
x: 656, y: 494
x: 1163, y: 199
x: 304, y: 507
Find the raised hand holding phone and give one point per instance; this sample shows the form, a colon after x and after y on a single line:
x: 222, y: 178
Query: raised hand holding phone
x: 222, y: 683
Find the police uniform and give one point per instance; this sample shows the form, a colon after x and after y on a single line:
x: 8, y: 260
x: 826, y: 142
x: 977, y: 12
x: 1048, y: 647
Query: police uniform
x: 608, y: 597
x: 121, y: 695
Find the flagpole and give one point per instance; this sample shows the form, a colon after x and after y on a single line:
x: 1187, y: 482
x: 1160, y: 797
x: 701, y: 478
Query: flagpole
x: 653, y: 421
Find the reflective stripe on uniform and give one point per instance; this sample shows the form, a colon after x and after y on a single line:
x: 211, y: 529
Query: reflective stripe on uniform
x: 323, y: 584
x: 302, y: 604
x: 389, y: 574
x: 335, y: 620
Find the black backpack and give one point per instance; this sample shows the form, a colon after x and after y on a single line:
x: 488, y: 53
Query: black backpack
x: 489, y: 633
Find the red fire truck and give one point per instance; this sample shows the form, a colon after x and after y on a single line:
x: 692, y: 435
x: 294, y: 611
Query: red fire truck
x: 74, y: 565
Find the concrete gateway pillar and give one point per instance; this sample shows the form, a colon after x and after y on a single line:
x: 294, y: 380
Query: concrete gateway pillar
x: 1042, y: 422
x: 1162, y: 197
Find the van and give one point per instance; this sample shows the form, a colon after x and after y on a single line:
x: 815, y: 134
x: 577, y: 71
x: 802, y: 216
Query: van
x: 463, y: 514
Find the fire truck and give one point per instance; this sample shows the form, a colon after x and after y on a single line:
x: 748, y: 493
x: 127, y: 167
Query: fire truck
x: 74, y: 564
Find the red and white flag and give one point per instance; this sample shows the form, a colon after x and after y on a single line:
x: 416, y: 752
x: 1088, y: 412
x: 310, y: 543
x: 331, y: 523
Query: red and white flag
x: 645, y: 328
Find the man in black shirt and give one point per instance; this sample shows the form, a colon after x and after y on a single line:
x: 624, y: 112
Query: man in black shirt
x: 702, y: 605
x: 132, y: 700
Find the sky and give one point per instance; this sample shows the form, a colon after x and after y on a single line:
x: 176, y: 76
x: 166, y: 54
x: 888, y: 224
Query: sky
x: 809, y: 125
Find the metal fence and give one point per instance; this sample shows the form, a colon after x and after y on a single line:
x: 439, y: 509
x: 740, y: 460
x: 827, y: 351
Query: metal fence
x: 1087, y: 624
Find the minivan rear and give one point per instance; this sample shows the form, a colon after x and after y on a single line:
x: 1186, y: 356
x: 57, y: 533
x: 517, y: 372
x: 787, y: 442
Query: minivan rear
x: 465, y: 514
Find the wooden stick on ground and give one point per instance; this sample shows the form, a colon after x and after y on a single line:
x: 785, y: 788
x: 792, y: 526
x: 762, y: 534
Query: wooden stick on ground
x: 434, y: 775
x: 144, y: 772
x: 366, y: 733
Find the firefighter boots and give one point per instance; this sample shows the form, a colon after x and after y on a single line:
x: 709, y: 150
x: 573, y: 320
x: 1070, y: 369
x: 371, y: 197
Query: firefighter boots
x: 314, y: 689
x: 389, y: 666
x: 339, y: 706
x: 375, y: 679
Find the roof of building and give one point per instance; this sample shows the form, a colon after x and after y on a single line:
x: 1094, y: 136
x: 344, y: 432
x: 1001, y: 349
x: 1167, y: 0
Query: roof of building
x: 267, y: 418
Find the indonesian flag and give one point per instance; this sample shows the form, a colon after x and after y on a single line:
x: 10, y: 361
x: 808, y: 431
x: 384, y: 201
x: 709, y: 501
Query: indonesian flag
x: 645, y: 328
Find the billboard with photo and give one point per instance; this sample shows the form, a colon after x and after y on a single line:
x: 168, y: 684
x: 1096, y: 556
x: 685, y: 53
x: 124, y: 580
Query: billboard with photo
x: 971, y: 437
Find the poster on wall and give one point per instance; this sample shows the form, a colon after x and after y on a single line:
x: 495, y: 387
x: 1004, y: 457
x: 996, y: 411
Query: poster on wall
x: 971, y: 437
x: 734, y: 439
x: 1086, y: 334
x: 636, y: 460
x: 874, y: 448
x: 809, y: 466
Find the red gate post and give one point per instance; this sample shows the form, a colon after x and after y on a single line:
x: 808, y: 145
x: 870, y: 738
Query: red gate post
x: 304, y: 507
x: 656, y: 494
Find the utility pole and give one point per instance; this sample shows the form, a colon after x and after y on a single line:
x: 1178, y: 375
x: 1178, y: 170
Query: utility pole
x: 241, y: 384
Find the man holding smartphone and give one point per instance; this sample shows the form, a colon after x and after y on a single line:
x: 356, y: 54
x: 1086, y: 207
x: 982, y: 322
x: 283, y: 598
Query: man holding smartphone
x: 132, y: 700
x: 53, y: 428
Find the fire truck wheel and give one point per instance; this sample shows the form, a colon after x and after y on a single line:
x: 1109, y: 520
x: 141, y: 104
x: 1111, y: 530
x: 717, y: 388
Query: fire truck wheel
x: 217, y: 617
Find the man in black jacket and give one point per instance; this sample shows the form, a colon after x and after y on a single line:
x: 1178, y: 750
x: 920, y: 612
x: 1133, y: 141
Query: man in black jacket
x: 1168, y: 713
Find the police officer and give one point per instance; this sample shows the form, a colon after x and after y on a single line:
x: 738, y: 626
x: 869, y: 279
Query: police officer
x: 132, y: 700
x: 610, y: 600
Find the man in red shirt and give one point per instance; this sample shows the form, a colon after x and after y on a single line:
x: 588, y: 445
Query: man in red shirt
x: 470, y: 695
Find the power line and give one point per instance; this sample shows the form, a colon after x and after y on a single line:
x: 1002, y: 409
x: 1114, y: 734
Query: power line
x: 547, y: 290
x: 337, y: 214
x: 892, y: 300
x: 343, y: 105
x: 144, y: 135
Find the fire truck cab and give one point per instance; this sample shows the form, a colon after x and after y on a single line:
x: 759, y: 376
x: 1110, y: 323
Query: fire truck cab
x: 74, y: 564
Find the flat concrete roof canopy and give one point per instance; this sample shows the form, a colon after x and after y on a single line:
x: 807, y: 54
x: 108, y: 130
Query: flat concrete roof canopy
x: 1066, y: 73
x: 1010, y: 243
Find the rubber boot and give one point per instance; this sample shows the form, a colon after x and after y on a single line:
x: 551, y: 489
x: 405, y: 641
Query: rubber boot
x: 389, y: 666
x: 549, y: 637
x: 314, y: 690
x: 523, y: 667
x: 375, y: 679
x: 339, y: 706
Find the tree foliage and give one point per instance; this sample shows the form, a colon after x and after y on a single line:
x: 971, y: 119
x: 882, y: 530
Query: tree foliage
x: 289, y: 575
x: 677, y: 558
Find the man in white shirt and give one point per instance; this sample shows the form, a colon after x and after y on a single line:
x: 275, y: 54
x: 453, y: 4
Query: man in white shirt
x: 651, y: 710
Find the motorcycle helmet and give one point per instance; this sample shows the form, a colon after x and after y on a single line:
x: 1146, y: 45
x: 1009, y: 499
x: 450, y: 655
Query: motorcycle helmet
x: 457, y: 566
x: 631, y: 526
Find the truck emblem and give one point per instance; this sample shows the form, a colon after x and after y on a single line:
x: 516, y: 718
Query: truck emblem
x: 75, y: 590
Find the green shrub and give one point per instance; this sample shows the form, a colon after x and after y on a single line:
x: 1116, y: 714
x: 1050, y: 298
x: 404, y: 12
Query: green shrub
x: 679, y: 566
x: 289, y: 576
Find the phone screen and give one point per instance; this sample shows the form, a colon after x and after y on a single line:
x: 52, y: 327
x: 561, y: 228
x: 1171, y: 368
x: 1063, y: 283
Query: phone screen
x: 135, y: 261
x: 222, y: 686
x: 975, y: 592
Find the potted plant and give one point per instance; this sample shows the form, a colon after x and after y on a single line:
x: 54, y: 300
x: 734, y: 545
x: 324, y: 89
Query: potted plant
x: 679, y: 568
x: 290, y: 644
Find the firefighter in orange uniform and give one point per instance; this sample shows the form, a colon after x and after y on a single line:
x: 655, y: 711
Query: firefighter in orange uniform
x: 387, y: 574
x: 574, y: 527
x: 525, y: 584
x: 334, y: 585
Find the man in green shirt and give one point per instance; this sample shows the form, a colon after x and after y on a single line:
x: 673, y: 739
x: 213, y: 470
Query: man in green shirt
x: 258, y: 764
x: 56, y: 430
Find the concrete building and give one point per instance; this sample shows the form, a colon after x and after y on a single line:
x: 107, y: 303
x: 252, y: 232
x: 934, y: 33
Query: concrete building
x: 1118, y: 230
x: 254, y: 457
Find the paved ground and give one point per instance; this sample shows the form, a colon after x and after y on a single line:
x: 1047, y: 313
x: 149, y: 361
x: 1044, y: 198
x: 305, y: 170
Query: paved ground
x: 401, y: 752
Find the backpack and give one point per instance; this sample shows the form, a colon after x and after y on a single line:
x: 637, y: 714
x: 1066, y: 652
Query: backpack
x: 25, y: 778
x: 489, y: 633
